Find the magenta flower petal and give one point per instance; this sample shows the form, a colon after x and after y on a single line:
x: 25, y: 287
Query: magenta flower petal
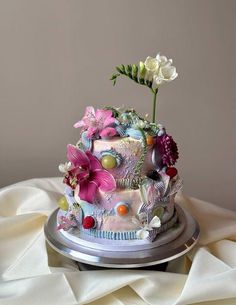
x: 89, y: 114
x: 79, y: 174
x: 102, y: 114
x: 88, y: 190
x: 104, y: 180
x: 94, y: 122
x: 108, y: 132
x: 91, y: 131
x: 77, y: 156
x: 94, y: 162
x: 79, y: 124
x: 109, y: 120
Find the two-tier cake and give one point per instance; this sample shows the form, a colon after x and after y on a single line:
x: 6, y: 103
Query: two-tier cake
x: 120, y: 176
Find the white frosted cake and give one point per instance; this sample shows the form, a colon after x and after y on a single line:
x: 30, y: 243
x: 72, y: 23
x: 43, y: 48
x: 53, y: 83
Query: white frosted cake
x: 120, y: 176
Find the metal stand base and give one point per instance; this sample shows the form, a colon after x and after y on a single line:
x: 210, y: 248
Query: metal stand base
x: 86, y: 267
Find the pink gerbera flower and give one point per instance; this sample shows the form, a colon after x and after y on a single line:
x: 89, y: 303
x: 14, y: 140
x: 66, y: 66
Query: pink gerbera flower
x: 97, y: 123
x: 87, y: 175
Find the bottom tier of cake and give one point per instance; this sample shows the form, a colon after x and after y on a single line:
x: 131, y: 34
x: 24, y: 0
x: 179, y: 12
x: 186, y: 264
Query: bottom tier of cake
x: 126, y: 240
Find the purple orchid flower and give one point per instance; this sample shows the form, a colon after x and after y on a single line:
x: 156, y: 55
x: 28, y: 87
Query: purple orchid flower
x: 86, y: 175
x: 97, y: 123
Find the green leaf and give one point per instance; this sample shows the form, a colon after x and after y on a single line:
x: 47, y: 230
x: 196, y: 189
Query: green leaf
x: 129, y: 70
x: 123, y: 68
x: 120, y: 69
x: 148, y: 83
x: 114, y: 76
x: 135, y: 72
x: 142, y: 70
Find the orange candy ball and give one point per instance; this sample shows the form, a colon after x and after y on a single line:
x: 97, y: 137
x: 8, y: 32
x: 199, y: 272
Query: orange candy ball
x: 122, y: 210
x: 150, y: 140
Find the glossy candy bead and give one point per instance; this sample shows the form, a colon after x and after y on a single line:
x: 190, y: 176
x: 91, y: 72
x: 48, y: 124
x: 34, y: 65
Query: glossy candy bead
x: 109, y: 162
x: 171, y: 172
x: 158, y: 211
x: 122, y: 210
x: 150, y: 140
x: 63, y: 204
x: 89, y: 222
x: 154, y: 175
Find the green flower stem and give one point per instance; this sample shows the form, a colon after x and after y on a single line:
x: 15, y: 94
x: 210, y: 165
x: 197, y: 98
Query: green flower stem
x: 154, y: 91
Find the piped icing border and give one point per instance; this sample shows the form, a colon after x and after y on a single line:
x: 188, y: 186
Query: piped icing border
x: 129, y: 235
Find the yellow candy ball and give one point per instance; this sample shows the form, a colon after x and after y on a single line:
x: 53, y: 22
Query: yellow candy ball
x: 109, y: 162
x: 63, y: 204
x: 158, y: 211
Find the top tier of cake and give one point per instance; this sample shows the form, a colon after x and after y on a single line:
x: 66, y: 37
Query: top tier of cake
x: 121, y: 156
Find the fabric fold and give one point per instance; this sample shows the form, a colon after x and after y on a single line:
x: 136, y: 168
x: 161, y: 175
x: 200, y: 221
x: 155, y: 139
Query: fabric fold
x: 33, y: 273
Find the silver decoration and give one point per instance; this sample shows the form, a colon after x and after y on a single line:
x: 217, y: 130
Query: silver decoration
x: 156, y: 158
x: 131, y: 183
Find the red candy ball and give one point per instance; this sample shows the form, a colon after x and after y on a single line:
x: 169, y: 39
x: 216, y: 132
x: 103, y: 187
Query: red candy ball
x: 171, y: 172
x: 88, y: 222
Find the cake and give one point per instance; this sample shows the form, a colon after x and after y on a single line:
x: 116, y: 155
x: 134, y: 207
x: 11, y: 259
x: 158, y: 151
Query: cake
x: 120, y: 176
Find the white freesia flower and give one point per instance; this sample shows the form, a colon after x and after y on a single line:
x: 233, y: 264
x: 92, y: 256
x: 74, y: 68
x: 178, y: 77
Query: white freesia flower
x: 166, y: 73
x: 163, y: 60
x: 63, y: 168
x: 151, y: 64
x: 160, y: 70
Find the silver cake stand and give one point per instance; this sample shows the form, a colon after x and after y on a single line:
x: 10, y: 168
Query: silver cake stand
x: 120, y: 259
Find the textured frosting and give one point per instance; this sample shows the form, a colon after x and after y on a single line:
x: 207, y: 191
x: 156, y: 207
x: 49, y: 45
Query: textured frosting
x: 104, y: 208
x: 130, y: 150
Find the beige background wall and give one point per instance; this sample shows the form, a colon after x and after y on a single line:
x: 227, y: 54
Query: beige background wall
x: 56, y: 57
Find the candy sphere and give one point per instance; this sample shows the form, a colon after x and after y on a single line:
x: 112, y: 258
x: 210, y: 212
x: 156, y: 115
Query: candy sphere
x: 122, y: 210
x: 171, y: 172
x: 63, y: 204
x: 89, y: 222
x: 158, y: 211
x: 154, y: 175
x: 150, y: 140
x: 109, y: 162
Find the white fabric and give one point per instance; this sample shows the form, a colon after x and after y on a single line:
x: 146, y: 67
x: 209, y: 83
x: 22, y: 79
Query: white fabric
x: 32, y: 273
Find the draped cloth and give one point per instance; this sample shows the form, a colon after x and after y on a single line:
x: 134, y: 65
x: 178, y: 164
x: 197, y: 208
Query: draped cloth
x: 31, y: 273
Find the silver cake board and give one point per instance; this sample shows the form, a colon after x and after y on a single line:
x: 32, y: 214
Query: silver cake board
x: 92, y: 259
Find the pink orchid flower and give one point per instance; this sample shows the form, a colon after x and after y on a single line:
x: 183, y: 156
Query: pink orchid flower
x: 87, y: 175
x: 97, y: 123
x: 66, y: 223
